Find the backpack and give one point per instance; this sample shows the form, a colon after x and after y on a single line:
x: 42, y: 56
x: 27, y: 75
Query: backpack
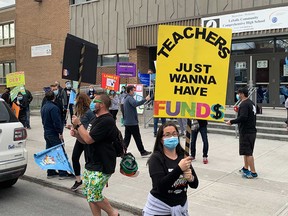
x: 119, y: 144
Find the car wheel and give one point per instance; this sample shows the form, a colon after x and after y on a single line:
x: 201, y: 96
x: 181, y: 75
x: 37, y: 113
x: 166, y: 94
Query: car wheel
x: 8, y: 183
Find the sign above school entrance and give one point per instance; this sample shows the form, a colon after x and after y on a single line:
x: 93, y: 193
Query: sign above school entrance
x: 272, y: 18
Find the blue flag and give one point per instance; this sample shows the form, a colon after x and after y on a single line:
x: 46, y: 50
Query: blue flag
x: 53, y: 158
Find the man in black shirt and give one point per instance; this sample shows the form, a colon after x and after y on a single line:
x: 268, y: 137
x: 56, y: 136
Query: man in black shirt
x: 101, y: 154
x: 246, y: 121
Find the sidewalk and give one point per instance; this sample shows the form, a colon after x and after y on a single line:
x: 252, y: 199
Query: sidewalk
x: 222, y: 190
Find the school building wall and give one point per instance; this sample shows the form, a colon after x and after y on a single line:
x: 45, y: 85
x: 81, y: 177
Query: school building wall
x: 41, y: 23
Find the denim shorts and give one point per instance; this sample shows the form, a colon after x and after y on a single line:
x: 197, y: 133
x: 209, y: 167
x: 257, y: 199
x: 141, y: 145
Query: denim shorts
x: 94, y: 183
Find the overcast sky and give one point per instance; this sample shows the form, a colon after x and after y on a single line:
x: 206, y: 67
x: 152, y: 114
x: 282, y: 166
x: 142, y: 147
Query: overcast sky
x: 4, y: 3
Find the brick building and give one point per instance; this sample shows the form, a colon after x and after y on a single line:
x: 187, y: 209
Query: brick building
x: 7, y: 43
x: 40, y: 26
x: 126, y: 30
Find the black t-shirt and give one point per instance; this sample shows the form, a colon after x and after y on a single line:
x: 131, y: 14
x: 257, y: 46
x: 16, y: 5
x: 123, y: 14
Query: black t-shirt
x: 168, y: 183
x: 101, y: 155
x: 246, y: 118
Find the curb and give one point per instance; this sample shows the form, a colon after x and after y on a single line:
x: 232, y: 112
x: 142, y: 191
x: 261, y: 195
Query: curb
x: 115, y: 204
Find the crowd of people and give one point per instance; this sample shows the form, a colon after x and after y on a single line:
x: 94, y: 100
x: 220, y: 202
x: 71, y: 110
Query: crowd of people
x: 93, y: 124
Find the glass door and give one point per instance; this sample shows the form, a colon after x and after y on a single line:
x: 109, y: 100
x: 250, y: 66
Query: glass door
x: 238, y: 76
x: 262, y: 65
x: 282, y: 75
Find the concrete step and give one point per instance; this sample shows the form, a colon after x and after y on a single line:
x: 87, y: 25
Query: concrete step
x: 260, y: 117
x: 278, y: 137
x: 279, y: 128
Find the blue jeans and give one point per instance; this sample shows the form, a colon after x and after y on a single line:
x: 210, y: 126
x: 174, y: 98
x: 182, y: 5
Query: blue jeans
x: 156, y: 120
x: 203, y: 132
x: 53, y: 140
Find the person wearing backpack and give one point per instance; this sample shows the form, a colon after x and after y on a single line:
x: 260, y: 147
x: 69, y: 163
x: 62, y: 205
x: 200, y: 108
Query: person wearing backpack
x: 100, y: 154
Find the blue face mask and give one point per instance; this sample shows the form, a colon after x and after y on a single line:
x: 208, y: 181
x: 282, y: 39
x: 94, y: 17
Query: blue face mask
x: 92, y: 106
x: 19, y: 98
x: 171, y: 143
x: 237, y: 97
x: 68, y: 85
x: 56, y: 92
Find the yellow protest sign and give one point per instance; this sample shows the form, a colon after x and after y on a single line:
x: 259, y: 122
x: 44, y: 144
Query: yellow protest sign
x: 15, y: 79
x: 192, y: 72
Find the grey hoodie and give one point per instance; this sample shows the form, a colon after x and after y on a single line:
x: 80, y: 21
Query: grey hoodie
x: 130, y: 112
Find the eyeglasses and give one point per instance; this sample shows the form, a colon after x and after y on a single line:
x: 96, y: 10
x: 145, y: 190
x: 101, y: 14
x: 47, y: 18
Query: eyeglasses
x: 97, y: 101
x: 168, y: 135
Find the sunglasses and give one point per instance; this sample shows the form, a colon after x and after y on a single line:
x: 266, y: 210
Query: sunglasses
x: 97, y: 101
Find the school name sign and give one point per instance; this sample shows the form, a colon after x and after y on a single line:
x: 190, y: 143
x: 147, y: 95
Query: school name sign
x: 192, y: 72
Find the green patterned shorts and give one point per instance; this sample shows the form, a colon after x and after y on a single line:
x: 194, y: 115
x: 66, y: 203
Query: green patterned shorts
x: 94, y: 183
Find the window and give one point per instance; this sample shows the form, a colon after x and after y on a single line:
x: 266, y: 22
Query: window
x: 123, y: 57
x: 72, y: 2
x: 109, y: 60
x: 99, y: 61
x: 6, y: 68
x: 7, y: 34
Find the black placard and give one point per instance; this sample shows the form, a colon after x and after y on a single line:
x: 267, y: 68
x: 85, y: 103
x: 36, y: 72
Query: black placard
x: 72, y: 56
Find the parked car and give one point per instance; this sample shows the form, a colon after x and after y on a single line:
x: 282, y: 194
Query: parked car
x: 13, y: 153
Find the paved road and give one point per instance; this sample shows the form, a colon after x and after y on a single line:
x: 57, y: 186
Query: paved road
x: 29, y: 199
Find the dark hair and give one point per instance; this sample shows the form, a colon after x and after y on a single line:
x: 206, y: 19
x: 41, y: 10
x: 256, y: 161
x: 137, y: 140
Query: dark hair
x: 158, y: 146
x: 129, y: 88
x: 19, y: 93
x: 49, y: 95
x: 114, y: 93
x: 244, y: 90
x: 105, y: 99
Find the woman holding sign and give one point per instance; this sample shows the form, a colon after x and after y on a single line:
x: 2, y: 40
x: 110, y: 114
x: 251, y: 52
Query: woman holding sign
x: 171, y: 175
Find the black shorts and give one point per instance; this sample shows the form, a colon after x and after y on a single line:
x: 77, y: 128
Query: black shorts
x: 246, y: 144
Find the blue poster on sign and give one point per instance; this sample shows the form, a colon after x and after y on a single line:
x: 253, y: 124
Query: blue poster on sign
x: 144, y: 79
x: 53, y: 158
x: 72, y: 97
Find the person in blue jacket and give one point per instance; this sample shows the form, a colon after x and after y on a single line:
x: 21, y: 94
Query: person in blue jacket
x: 53, y: 129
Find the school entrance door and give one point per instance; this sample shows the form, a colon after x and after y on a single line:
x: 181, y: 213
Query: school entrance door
x: 267, y: 72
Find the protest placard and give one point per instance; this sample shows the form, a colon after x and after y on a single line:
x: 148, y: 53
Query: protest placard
x: 192, y: 72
